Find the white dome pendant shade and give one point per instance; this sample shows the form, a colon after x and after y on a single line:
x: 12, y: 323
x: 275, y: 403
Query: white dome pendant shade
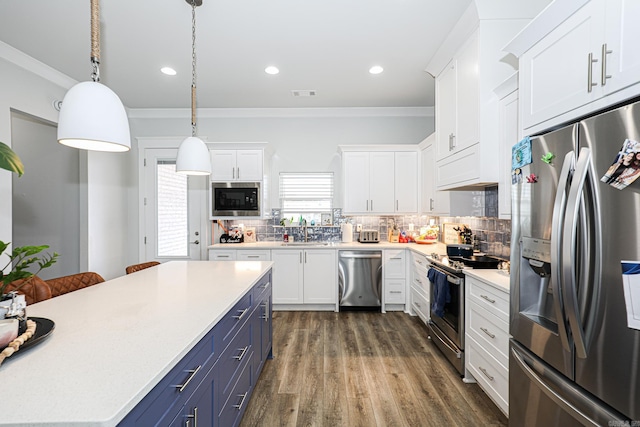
x: 193, y: 157
x: 193, y: 154
x: 92, y: 117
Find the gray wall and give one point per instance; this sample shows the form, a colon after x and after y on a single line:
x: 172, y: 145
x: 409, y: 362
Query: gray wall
x: 297, y: 139
x: 46, y: 199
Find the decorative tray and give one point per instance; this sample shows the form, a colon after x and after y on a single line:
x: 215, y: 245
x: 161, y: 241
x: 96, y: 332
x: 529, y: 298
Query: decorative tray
x: 426, y: 242
x: 44, y: 327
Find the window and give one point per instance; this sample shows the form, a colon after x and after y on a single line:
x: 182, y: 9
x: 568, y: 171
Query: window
x: 173, y: 222
x: 306, y: 194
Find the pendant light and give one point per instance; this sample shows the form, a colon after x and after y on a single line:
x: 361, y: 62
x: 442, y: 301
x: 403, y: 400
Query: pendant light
x: 193, y: 155
x: 92, y: 116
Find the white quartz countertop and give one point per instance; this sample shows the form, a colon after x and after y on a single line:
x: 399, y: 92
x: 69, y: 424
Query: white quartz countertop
x: 113, y: 342
x: 422, y: 248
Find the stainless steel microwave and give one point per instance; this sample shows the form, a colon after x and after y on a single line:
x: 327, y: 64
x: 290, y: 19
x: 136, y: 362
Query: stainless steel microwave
x: 235, y: 199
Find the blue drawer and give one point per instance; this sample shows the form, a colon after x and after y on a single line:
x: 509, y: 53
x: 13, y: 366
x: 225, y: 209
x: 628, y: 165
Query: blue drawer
x: 232, y: 358
x: 234, y: 407
x: 227, y: 328
x: 176, y: 387
x: 262, y: 289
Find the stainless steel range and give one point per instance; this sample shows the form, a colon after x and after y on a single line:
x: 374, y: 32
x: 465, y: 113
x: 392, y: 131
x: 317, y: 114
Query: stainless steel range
x: 446, y: 326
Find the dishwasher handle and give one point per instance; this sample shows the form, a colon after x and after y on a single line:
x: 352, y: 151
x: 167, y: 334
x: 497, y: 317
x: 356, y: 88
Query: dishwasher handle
x: 360, y: 254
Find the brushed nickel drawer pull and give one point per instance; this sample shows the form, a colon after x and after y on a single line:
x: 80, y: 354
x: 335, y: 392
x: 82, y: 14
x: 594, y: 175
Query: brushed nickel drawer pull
x: 492, y: 301
x: 590, y: 83
x: 242, y: 313
x: 487, y: 332
x: 265, y: 305
x: 239, y: 406
x: 243, y: 351
x: 195, y: 418
x: 266, y: 285
x: 395, y: 292
x: 193, y: 373
x: 604, y: 76
x: 486, y: 374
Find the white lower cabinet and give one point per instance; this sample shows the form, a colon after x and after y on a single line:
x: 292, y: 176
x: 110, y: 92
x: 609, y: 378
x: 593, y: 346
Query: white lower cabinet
x: 394, y: 279
x: 308, y: 276
x: 222, y: 254
x: 487, y: 339
x: 239, y: 255
x: 253, y: 255
x: 420, y: 294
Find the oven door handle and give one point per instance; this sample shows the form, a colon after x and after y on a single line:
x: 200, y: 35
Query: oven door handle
x: 451, y: 279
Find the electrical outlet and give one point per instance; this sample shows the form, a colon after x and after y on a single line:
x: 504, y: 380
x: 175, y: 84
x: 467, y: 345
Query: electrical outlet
x: 359, y: 228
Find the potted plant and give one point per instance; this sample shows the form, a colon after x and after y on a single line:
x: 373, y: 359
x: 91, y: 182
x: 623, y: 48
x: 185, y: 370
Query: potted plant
x: 24, y: 257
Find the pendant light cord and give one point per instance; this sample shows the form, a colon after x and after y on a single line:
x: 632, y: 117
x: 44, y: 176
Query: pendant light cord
x: 193, y: 67
x: 95, y: 40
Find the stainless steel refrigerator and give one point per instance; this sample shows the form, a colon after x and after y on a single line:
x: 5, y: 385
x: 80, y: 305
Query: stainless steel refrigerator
x: 574, y: 359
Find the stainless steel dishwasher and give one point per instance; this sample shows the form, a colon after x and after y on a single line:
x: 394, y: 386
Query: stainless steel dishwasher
x: 360, y: 280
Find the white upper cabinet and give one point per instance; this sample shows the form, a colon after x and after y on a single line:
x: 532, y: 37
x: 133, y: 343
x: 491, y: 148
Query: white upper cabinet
x: 467, y: 109
x: 589, y: 61
x: 380, y: 182
x: 509, y: 135
x: 457, y: 101
x: 406, y: 181
x: 236, y: 165
x: 446, y: 110
x: 432, y: 202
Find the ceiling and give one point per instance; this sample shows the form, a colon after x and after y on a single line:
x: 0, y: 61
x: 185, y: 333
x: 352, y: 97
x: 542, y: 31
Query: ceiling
x: 322, y: 45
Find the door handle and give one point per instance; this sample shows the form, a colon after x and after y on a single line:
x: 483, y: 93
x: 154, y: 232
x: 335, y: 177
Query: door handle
x: 196, y: 242
x: 569, y: 246
x: 591, y: 61
x: 430, y: 204
x: 603, y: 74
x: 559, y: 207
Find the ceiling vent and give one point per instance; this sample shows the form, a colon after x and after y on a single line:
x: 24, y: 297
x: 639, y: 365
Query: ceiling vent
x: 302, y: 93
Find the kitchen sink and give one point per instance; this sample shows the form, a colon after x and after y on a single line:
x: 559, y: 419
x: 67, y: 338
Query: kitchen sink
x: 308, y: 244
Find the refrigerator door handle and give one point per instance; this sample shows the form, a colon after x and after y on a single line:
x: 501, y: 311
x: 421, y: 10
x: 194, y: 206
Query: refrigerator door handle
x: 556, y: 246
x: 569, y: 246
x: 554, y: 387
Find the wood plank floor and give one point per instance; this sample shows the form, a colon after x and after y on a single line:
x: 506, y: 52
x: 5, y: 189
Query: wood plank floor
x: 362, y: 369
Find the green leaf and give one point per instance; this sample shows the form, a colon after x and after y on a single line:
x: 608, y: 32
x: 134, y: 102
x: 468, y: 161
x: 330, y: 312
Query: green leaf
x: 9, y: 160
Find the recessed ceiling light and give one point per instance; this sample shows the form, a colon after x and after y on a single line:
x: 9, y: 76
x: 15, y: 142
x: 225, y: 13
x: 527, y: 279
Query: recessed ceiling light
x: 168, y: 71
x: 271, y: 70
x: 376, y: 69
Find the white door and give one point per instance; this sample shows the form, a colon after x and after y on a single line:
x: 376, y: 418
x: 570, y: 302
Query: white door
x: 175, y: 226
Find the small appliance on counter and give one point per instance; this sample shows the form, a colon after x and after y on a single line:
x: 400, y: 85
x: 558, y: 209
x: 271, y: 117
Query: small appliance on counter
x: 347, y: 232
x: 459, y: 250
x: 369, y: 236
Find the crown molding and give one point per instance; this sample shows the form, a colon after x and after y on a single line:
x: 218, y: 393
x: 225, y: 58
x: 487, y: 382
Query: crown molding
x: 22, y: 60
x: 218, y: 113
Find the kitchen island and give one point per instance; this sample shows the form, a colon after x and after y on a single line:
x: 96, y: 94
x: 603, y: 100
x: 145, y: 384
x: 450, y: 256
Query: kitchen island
x: 114, y: 344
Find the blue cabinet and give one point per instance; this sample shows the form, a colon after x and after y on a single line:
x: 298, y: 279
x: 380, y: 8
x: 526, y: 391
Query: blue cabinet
x: 212, y: 384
